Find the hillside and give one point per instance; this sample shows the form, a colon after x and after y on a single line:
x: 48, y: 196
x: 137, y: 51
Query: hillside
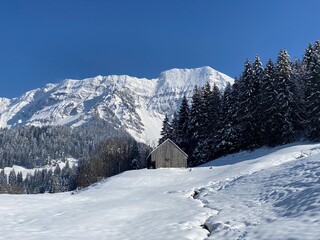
x: 136, y: 104
x: 271, y: 193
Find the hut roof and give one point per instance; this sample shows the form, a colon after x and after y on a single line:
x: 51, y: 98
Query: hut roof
x: 169, y: 140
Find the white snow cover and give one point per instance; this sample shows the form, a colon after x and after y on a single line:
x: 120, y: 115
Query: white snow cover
x: 266, y: 194
x: 72, y: 162
x: 139, y: 104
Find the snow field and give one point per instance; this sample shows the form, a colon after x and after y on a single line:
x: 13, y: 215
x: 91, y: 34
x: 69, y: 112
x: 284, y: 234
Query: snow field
x: 265, y: 194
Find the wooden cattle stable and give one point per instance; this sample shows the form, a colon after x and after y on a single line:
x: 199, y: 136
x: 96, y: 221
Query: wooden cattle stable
x: 167, y: 155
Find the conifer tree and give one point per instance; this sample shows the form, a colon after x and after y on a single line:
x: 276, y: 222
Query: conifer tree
x: 257, y: 99
x: 3, y: 182
x: 299, y: 85
x: 174, y: 128
x: 213, y: 109
x: 183, y: 125
x: 206, y: 149
x: 313, y: 94
x: 197, y: 121
x: 308, y: 63
x: 56, y: 180
x: 12, y: 182
x: 307, y: 67
x: 270, y: 129
x: 12, y: 179
x: 166, y: 130
x: 19, y: 178
x: 204, y: 105
x: 227, y: 138
x: 249, y: 91
x: 285, y: 99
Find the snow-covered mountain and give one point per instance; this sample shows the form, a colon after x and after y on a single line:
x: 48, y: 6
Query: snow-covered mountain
x: 136, y: 104
x: 265, y: 194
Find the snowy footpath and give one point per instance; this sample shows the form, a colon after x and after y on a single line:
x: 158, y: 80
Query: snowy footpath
x: 266, y: 194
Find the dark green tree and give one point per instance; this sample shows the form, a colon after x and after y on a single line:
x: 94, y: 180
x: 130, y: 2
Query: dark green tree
x: 227, y: 139
x: 206, y: 148
x: 313, y: 94
x: 248, y: 108
x: 3, y: 182
x: 197, y: 121
x: 285, y: 87
x: 174, y: 128
x: 270, y: 129
x: 183, y: 126
x: 166, y: 130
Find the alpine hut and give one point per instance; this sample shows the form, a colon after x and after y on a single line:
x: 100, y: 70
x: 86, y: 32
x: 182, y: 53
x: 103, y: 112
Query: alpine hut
x: 167, y: 155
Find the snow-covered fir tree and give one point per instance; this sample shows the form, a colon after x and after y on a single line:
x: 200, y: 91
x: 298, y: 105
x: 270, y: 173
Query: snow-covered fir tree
x: 174, y: 127
x: 166, y: 130
x: 269, y: 128
x: 211, y: 105
x: 284, y: 115
x: 248, y: 106
x: 182, y: 132
x: 228, y: 137
x: 197, y: 121
x: 257, y: 109
x: 313, y: 92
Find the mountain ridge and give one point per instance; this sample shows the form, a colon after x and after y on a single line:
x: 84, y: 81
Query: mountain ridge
x: 137, y: 104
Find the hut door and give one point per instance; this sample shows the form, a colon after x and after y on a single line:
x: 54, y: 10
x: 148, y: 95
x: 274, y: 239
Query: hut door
x: 167, y: 162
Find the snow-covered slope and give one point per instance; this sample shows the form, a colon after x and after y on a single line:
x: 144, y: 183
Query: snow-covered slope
x: 265, y: 194
x: 137, y: 104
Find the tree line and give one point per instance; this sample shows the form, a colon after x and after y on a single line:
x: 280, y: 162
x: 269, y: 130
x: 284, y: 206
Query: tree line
x: 52, y: 180
x: 271, y: 105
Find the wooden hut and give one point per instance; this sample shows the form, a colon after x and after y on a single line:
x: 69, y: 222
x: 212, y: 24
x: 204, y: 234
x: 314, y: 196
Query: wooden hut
x: 167, y: 155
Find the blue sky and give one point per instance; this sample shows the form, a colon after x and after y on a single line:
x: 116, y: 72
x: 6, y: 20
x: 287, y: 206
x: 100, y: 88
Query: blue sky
x: 47, y: 41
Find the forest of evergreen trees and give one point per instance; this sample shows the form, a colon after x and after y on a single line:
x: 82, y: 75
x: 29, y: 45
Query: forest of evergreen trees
x: 271, y: 105
x: 101, y: 151
x: 32, y: 147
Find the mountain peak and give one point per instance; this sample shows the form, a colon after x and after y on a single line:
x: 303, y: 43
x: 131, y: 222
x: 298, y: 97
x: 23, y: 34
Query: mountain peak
x: 135, y: 104
x: 197, y: 76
